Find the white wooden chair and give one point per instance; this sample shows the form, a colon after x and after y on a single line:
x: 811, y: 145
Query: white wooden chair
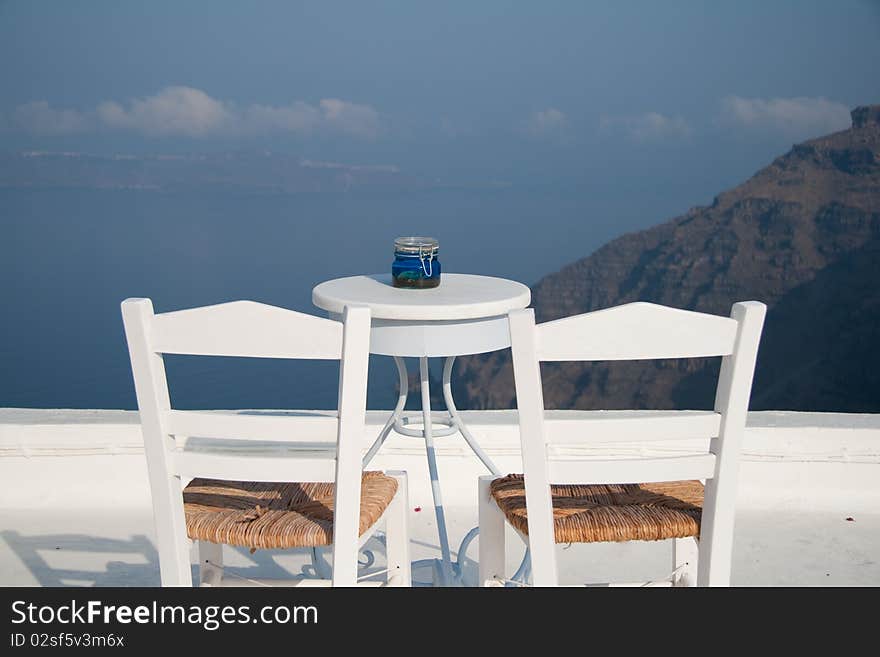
x: 212, y: 483
x: 596, y: 499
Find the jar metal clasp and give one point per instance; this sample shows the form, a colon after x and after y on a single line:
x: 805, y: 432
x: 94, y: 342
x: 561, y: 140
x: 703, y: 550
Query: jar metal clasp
x: 429, y: 257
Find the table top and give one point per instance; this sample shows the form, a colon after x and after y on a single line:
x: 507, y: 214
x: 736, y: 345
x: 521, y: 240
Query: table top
x: 459, y: 296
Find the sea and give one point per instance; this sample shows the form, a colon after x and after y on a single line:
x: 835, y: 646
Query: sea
x: 68, y: 257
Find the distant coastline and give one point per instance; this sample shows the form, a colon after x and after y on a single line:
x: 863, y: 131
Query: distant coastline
x: 258, y: 170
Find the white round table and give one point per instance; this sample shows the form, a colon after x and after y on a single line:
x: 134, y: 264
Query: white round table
x: 465, y: 314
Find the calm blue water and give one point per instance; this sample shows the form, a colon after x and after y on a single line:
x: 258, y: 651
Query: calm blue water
x: 68, y: 258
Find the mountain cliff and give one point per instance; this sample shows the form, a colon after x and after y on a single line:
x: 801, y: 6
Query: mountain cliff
x: 802, y: 235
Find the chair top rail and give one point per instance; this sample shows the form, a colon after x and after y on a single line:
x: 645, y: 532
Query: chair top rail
x: 245, y: 329
x: 635, y: 331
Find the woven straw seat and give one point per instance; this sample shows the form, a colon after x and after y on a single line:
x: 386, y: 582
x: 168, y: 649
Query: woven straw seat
x: 276, y: 515
x: 615, y: 512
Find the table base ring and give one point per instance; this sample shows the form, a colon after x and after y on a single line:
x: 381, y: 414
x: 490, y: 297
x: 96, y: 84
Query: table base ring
x: 448, y: 426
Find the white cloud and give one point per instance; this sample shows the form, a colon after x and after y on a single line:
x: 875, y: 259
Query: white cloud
x: 331, y: 114
x: 799, y: 116
x: 358, y: 120
x: 173, y: 111
x: 649, y: 126
x: 548, y: 122
x: 38, y: 118
x: 189, y: 112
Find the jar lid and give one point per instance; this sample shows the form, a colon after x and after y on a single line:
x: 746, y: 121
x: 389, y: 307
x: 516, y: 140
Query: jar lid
x: 416, y: 245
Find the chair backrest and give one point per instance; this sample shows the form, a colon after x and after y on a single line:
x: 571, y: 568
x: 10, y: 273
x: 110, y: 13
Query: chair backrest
x: 320, y: 447
x: 637, y: 331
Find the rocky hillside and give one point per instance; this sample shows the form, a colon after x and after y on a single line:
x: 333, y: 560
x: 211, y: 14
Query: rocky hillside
x: 802, y: 235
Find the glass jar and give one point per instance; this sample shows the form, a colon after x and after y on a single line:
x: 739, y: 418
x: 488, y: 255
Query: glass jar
x: 415, y: 263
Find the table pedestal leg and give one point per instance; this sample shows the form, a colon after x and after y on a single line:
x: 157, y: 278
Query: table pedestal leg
x: 446, y: 566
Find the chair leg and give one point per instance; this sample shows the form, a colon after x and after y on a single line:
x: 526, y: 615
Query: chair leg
x: 397, y: 534
x: 175, y: 568
x: 716, y: 534
x: 491, y: 535
x: 171, y: 540
x: 210, y: 563
x: 685, y: 555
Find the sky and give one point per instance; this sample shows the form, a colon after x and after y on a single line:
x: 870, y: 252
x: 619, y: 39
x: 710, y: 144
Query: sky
x: 613, y: 95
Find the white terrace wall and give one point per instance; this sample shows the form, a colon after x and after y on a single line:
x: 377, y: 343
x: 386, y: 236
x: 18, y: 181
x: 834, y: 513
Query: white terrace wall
x: 77, y: 459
